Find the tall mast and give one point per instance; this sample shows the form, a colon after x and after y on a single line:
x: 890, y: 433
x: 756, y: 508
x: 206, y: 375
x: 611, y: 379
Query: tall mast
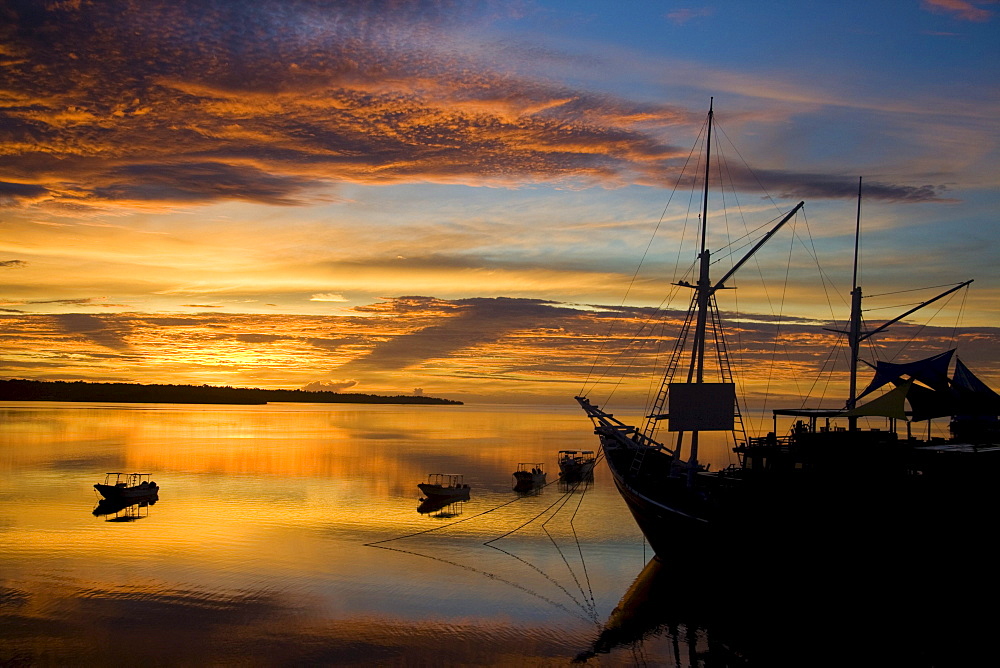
x: 704, y: 281
x: 854, y: 335
x: 704, y: 290
x: 702, y: 304
x: 708, y: 169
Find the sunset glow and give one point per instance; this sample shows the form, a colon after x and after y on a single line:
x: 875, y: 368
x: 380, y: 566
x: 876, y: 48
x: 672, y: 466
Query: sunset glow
x: 454, y: 196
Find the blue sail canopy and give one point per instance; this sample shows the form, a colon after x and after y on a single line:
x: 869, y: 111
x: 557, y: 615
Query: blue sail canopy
x: 928, y: 391
x: 932, y: 372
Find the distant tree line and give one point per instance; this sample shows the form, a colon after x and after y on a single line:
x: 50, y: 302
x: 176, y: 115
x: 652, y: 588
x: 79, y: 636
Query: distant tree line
x: 59, y: 390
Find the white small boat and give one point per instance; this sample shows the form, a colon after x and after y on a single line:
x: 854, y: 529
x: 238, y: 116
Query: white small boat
x: 444, y: 485
x: 525, y: 477
x: 576, y: 464
x: 127, y: 486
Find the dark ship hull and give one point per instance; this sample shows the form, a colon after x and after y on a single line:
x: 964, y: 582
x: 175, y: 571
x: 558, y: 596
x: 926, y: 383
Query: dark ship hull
x: 907, y: 496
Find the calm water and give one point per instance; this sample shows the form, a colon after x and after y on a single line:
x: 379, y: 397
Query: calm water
x: 259, y: 550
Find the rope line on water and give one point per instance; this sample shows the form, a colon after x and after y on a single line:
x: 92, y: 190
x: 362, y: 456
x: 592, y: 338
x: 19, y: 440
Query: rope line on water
x: 492, y: 576
x: 565, y: 495
x: 376, y: 543
x: 587, y: 606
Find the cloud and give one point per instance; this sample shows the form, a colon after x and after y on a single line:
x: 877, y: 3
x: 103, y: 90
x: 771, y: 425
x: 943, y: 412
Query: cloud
x: 194, y: 182
x: 76, y: 301
x: 93, y: 328
x: 12, y: 263
x: 472, y: 322
x: 682, y: 16
x: 960, y: 9
x: 336, y: 343
x: 327, y: 297
x: 14, y: 194
x: 329, y: 385
x: 258, y: 338
x: 487, y: 347
x: 165, y: 103
x: 831, y: 186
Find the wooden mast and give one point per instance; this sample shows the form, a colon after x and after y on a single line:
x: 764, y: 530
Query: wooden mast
x: 854, y: 329
x: 854, y: 333
x: 696, y: 373
x: 703, y: 299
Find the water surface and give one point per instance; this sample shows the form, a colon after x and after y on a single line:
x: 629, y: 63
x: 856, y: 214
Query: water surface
x: 288, y: 534
x: 258, y: 551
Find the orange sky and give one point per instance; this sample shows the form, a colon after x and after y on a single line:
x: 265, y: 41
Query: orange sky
x: 455, y: 196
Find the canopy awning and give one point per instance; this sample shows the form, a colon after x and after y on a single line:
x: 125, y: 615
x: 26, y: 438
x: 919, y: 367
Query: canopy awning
x: 932, y: 372
x: 926, y: 388
x: 890, y: 405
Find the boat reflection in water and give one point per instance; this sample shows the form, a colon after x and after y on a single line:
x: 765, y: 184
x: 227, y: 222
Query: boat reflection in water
x: 804, y: 609
x: 124, y: 509
x: 443, y: 507
x: 647, y: 610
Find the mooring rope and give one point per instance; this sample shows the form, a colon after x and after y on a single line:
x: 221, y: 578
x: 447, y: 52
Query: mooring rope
x: 588, y: 606
x: 492, y: 576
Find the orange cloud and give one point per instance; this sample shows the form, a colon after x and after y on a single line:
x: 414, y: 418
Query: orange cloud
x: 160, y: 104
x: 453, y: 348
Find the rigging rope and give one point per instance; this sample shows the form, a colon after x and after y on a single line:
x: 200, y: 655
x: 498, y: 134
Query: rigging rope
x: 649, y: 244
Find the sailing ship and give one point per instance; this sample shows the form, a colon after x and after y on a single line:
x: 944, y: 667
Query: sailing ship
x: 820, y: 477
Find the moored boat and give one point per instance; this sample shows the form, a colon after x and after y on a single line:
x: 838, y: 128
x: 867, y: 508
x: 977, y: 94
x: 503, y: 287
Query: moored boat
x: 127, y: 486
x: 529, y: 475
x: 444, y: 485
x: 576, y: 464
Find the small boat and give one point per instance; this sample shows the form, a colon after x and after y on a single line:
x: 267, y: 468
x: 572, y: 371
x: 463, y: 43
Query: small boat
x: 527, y: 478
x: 444, y: 485
x: 576, y: 464
x: 127, y: 486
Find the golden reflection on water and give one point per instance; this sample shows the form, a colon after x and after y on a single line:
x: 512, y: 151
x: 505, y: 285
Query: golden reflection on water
x: 266, y: 511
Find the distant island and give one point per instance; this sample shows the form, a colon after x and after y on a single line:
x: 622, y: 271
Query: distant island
x: 38, y: 390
